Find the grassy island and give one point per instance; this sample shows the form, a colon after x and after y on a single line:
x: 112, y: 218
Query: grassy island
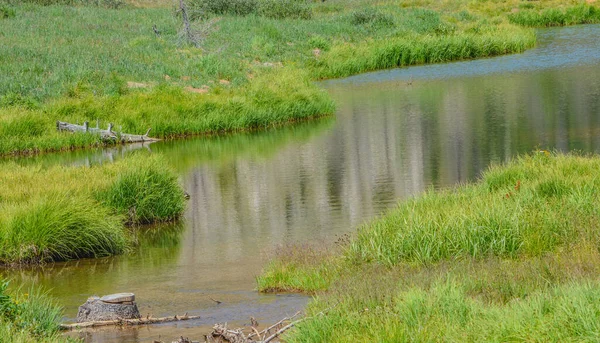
x: 512, y: 257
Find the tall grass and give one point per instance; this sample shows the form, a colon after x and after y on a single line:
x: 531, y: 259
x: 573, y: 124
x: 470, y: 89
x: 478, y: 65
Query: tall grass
x: 349, y: 59
x: 446, y: 313
x: 60, y: 227
x: 528, y: 207
x: 147, y: 195
x: 33, y: 317
x: 64, y: 213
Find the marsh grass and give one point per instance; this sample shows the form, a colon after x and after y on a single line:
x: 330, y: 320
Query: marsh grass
x: 63, y: 213
x: 512, y: 257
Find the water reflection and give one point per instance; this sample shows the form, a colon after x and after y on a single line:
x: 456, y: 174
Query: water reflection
x: 390, y: 140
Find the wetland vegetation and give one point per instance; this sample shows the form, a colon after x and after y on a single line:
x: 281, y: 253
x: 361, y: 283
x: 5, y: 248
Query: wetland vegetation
x: 511, y: 257
x: 519, y: 247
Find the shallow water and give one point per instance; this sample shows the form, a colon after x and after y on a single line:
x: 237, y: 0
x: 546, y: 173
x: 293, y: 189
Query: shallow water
x: 395, y: 134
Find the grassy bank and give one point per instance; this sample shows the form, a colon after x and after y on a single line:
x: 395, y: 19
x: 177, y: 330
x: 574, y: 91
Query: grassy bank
x: 253, y: 67
x: 28, y: 317
x: 513, y: 257
x: 63, y: 213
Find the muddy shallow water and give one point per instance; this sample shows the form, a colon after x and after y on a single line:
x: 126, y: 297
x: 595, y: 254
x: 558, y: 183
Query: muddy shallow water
x: 395, y: 134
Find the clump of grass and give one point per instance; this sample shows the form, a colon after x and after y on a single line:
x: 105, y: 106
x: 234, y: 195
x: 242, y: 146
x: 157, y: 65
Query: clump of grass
x: 519, y: 248
x: 294, y: 268
x: 581, y: 14
x: 7, y: 12
x: 147, y: 193
x: 60, y: 227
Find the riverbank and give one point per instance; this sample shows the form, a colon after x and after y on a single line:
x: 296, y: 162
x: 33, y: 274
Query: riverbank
x: 63, y: 213
x: 252, y: 69
x: 517, y: 248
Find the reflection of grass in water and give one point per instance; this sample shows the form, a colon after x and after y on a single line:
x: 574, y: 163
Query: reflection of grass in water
x: 188, y: 153
x: 159, y: 244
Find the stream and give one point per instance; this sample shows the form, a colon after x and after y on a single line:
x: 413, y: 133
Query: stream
x: 395, y: 134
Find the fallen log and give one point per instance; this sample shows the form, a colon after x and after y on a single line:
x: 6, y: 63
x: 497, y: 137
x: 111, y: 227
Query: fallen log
x: 107, y: 134
x: 140, y: 321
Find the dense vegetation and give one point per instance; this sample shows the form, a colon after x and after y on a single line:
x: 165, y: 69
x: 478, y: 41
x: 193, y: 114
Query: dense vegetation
x: 63, y: 213
x: 512, y: 257
x: 252, y: 64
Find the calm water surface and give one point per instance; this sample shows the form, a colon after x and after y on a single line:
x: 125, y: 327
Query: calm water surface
x: 395, y: 134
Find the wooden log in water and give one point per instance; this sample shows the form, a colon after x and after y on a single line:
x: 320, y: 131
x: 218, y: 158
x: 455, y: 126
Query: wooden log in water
x: 140, y: 321
x: 108, y: 134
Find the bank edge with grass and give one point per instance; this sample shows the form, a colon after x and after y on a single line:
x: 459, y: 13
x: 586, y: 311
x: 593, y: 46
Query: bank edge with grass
x: 64, y: 213
x: 512, y: 257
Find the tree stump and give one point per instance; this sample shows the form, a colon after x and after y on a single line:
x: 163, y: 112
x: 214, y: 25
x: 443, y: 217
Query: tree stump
x: 110, y: 307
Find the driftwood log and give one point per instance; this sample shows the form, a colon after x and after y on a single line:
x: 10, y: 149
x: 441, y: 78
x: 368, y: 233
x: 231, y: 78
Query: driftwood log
x: 107, y: 134
x: 140, y: 321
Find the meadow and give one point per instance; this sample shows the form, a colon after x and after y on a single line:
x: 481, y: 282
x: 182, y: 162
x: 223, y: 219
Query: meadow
x: 253, y: 63
x: 512, y: 257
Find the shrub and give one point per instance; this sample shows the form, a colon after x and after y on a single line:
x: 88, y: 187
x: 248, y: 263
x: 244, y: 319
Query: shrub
x: 281, y: 9
x: 582, y: 14
x: 371, y: 16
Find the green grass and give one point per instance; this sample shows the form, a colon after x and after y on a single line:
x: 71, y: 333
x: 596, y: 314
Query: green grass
x: 63, y: 213
x: 513, y: 257
x: 97, y: 63
x: 582, y: 14
x: 28, y: 317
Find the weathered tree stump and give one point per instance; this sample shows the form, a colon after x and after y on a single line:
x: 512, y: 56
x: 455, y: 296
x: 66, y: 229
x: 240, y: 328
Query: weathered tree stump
x: 110, y: 307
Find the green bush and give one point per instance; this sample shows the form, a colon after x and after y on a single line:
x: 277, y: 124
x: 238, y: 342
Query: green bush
x: 371, y: 16
x: 6, y: 12
x: 281, y: 9
x: 60, y: 227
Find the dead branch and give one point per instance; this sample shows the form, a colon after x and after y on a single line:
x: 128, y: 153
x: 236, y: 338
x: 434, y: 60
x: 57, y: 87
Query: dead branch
x: 140, y: 321
x: 108, y: 134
